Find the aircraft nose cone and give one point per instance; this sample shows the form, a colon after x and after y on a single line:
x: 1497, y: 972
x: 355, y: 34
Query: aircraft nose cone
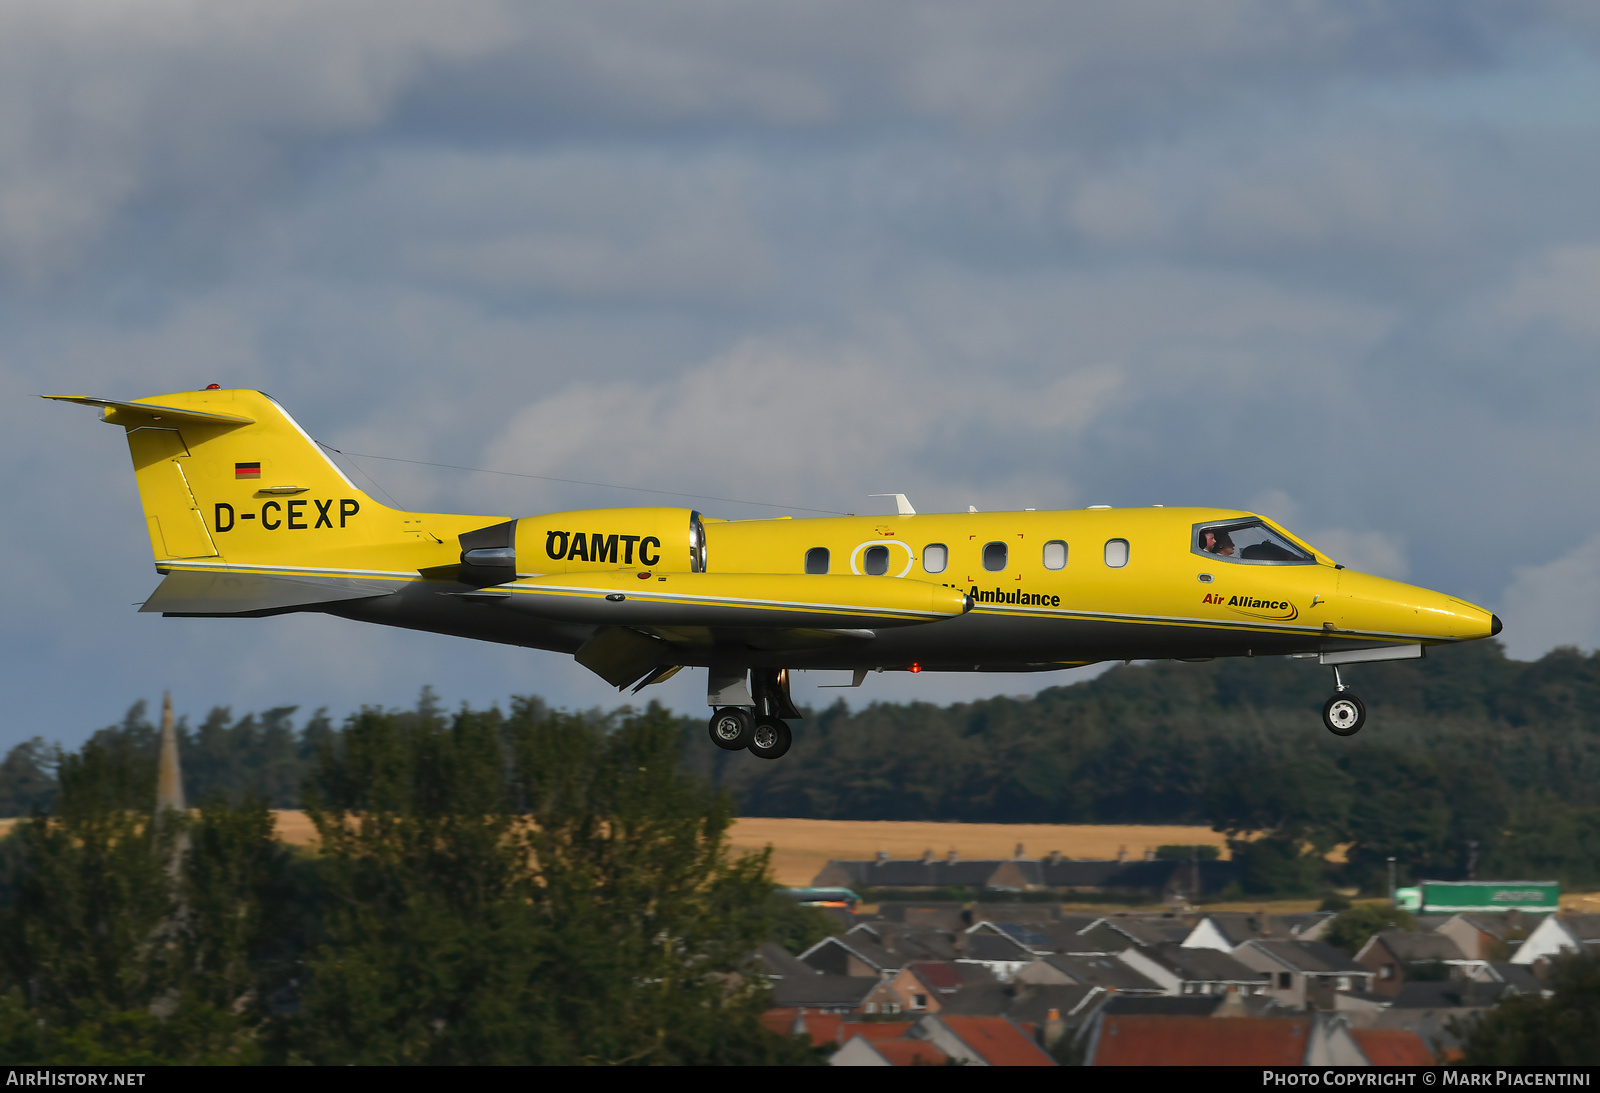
x: 1495, y: 625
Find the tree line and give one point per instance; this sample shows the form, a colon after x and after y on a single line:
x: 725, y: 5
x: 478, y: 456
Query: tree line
x: 527, y: 887
x: 1471, y: 763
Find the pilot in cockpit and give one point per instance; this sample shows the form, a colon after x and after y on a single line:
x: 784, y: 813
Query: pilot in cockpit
x: 1213, y: 541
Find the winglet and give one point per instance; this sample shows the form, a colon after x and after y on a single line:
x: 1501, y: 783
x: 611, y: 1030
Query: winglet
x: 123, y: 410
x: 902, y: 507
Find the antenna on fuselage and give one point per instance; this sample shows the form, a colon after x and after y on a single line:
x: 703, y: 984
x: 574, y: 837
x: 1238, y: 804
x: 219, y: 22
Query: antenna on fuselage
x: 902, y: 507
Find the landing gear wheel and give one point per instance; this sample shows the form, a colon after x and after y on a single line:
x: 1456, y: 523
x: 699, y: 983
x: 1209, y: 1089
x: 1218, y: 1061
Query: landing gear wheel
x: 770, y: 738
x: 1344, y: 714
x: 730, y: 728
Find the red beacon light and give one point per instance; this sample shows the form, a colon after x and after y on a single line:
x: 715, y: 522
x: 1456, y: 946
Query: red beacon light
x: 916, y: 667
x: 212, y: 387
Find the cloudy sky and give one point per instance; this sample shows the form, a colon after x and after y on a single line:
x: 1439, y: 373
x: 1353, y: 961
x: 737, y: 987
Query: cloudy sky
x: 1338, y: 262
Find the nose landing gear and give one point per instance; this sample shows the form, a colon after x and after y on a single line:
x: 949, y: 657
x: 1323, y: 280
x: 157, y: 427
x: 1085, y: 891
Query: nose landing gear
x: 1343, y: 713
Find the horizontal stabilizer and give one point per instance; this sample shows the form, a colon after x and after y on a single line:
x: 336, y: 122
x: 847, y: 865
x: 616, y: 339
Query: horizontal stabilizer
x: 123, y: 411
x: 208, y: 594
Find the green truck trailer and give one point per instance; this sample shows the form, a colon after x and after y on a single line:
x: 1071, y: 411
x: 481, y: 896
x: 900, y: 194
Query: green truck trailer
x: 1450, y: 896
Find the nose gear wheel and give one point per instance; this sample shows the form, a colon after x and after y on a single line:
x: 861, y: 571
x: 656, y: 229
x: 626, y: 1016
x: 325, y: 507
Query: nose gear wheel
x: 1344, y: 714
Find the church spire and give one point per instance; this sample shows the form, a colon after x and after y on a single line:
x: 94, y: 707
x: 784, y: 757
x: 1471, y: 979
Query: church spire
x: 169, y: 786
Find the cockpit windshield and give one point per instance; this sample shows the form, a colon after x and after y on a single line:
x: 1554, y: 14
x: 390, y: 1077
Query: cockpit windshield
x: 1249, y: 541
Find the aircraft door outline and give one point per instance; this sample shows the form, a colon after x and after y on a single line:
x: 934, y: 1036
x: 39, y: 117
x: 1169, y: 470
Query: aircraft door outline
x: 855, y: 555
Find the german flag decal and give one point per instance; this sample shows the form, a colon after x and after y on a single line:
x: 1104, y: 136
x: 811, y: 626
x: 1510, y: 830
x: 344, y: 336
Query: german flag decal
x: 247, y: 470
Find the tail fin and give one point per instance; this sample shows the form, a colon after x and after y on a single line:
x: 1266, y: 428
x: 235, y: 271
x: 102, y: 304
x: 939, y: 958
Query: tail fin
x: 228, y: 476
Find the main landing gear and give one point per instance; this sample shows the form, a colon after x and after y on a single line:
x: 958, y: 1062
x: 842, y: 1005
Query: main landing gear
x: 1343, y: 713
x: 755, y: 724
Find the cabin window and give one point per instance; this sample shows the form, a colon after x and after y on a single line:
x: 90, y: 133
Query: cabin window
x: 935, y: 556
x: 1055, y: 554
x: 1116, y: 553
x: 876, y: 561
x: 1248, y: 541
x: 1284, y: 982
x: 994, y: 557
x: 817, y: 560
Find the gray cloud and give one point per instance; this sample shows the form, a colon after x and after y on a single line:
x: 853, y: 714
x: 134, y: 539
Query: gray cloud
x: 1331, y: 261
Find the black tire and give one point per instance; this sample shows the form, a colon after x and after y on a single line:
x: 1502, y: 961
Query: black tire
x: 770, y: 738
x: 730, y: 728
x: 1343, y: 714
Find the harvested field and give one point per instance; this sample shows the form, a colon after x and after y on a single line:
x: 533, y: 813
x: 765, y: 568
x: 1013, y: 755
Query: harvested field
x: 800, y: 848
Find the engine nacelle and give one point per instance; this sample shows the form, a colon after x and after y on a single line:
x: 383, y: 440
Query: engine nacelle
x: 585, y: 540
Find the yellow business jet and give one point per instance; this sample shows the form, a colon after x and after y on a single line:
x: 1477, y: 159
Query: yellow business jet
x: 247, y: 517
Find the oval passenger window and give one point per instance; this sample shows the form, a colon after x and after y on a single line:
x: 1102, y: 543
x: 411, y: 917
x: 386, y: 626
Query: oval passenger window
x: 1117, y: 553
x: 994, y: 557
x: 1055, y: 554
x: 817, y: 560
x: 876, y: 561
x: 935, y: 556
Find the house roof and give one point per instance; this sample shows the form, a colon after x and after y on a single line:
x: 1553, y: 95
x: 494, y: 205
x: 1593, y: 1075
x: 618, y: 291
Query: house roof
x: 997, y: 1040
x: 1102, y: 971
x: 1309, y: 957
x: 830, y: 1028
x: 916, y: 872
x: 907, y: 942
x: 1204, y: 965
x: 987, y: 946
x: 992, y: 999
x: 1149, y: 929
x: 1517, y: 977
x: 1414, y: 948
x: 1237, y: 927
x: 864, y: 946
x: 1100, y: 938
x: 1151, y: 1040
x: 1032, y: 1002
x: 822, y: 1028
x: 1039, y: 914
x: 1500, y: 924
x: 1036, y: 938
x: 1002, y: 873
x: 1585, y: 928
x: 874, y: 1030
x: 1167, y: 1005
x: 777, y: 961
x: 1447, y: 994
x: 823, y: 990
x: 947, y: 976
x: 1392, y: 1047
x: 910, y: 1053
x: 945, y: 916
x: 1184, y: 1005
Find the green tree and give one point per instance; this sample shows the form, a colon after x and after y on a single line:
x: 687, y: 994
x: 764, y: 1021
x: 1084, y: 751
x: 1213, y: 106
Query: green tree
x: 1350, y: 929
x: 108, y: 955
x: 27, y: 777
x: 1527, y: 1030
x: 530, y: 889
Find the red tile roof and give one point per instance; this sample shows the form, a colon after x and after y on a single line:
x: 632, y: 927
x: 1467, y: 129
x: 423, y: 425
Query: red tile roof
x: 998, y: 1041
x: 873, y: 1030
x: 1393, y: 1047
x: 910, y: 1053
x: 833, y: 1028
x: 1140, y: 1040
x: 823, y: 1027
x: 942, y: 976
